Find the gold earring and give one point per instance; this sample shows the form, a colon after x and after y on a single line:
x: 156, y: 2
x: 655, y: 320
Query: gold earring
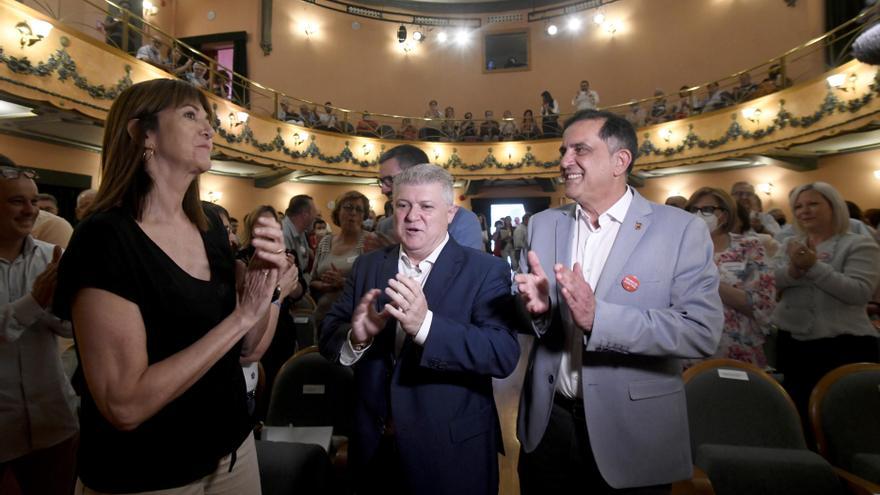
x: 148, y: 154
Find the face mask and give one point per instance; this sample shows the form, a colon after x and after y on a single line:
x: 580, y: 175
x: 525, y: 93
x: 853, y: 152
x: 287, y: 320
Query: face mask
x: 710, y: 219
x: 368, y: 223
x: 320, y: 231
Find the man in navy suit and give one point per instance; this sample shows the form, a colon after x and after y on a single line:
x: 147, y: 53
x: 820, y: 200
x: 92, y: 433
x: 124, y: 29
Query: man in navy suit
x: 618, y: 289
x: 425, y: 325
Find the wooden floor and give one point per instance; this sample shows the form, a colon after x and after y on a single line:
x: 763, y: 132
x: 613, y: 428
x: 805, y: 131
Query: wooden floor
x: 507, y: 402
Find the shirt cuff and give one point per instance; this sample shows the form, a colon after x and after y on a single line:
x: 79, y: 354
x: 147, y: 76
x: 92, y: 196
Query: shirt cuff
x: 422, y: 334
x: 348, y: 355
x: 27, y: 310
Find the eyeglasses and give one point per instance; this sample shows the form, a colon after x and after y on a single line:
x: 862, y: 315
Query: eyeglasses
x: 14, y: 173
x: 387, y: 181
x: 705, y: 210
x: 353, y: 208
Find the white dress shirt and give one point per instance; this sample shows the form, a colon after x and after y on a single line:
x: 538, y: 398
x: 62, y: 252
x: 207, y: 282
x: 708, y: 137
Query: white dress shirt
x: 418, y: 272
x: 36, y: 399
x: 590, y: 247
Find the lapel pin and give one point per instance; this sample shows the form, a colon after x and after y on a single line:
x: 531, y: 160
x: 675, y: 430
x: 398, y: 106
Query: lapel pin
x: 630, y: 283
x: 638, y: 225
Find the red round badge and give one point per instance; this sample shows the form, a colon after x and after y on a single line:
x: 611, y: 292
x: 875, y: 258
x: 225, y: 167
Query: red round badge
x: 630, y: 283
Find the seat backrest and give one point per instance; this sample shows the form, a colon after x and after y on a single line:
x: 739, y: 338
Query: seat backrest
x: 734, y: 403
x: 311, y: 391
x: 845, y: 413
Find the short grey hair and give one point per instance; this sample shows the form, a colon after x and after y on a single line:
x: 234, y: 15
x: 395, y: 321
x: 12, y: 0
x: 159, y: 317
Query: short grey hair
x: 839, y: 211
x: 425, y: 173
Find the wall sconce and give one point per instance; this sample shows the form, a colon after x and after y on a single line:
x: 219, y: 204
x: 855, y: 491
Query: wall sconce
x: 610, y: 27
x: 842, y: 82
x: 238, y: 118
x: 877, y: 174
x: 366, y: 149
x: 214, y: 196
x: 766, y: 188
x: 32, y: 34
x: 436, y: 154
x: 150, y: 8
x: 752, y: 114
x: 407, y: 47
x: 667, y: 135
x: 297, y: 139
x: 310, y: 28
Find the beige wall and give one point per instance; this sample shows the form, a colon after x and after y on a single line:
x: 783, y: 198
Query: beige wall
x: 661, y: 43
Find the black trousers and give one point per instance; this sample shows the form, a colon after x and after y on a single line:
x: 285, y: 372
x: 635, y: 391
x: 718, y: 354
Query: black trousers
x: 804, y: 362
x: 563, y: 462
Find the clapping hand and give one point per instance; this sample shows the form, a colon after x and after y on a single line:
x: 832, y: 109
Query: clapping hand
x: 409, y: 304
x: 366, y: 322
x: 533, y: 287
x: 44, y: 285
x: 578, y: 295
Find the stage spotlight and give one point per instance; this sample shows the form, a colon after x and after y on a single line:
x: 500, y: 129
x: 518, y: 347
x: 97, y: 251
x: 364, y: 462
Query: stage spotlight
x: 599, y: 18
x: 461, y: 37
x: 574, y: 24
x: 401, y: 34
x: 552, y: 29
x: 442, y: 37
x: 418, y: 36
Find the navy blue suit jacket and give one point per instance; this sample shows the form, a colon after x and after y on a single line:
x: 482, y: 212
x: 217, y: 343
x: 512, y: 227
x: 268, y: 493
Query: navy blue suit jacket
x: 440, y: 394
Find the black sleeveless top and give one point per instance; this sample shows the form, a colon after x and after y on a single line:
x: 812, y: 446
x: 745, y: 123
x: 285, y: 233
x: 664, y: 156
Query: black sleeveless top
x: 185, y: 440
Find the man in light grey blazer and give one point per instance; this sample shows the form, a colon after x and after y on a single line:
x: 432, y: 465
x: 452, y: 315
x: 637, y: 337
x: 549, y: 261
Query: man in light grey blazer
x: 617, y: 289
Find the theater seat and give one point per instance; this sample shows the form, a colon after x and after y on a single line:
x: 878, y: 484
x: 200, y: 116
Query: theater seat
x: 292, y: 468
x: 746, y: 434
x: 845, y: 416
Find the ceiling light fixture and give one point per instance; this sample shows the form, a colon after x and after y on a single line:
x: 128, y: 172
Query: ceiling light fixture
x: 442, y: 36
x: 599, y: 18
x: 462, y: 37
x: 418, y: 36
x: 552, y: 29
x: 401, y: 34
x: 574, y: 24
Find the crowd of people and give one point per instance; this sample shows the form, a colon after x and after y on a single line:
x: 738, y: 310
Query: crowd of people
x: 173, y: 304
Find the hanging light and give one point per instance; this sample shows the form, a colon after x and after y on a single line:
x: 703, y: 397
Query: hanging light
x: 442, y: 37
x: 418, y: 36
x: 599, y: 18
x: 552, y: 29
x: 574, y: 24
x: 401, y: 34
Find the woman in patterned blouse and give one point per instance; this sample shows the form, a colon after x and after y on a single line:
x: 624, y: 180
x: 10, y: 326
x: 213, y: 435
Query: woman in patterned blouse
x: 748, y: 288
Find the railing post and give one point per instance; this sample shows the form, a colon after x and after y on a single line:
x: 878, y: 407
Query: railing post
x: 125, y: 30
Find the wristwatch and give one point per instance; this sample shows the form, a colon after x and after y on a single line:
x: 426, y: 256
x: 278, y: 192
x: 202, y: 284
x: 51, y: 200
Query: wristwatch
x: 276, y: 293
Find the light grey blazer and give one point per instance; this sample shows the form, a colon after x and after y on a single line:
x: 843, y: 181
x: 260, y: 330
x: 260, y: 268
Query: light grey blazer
x: 830, y: 299
x: 633, y: 394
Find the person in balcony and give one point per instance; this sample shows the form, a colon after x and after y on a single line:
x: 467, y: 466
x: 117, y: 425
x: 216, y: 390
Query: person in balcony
x: 367, y: 126
x: 635, y: 116
x: 431, y: 130
x: 468, y: 129
x: 745, y: 89
x: 658, y: 108
x: 408, y: 131
x: 549, y: 115
x: 685, y: 105
x: 327, y: 118
x: 585, y: 98
x: 508, y: 127
x: 449, y: 126
x: 529, y: 128
x: 151, y: 53
x: 489, y: 128
x: 198, y: 75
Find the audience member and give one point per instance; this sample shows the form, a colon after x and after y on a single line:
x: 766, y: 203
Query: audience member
x: 468, y: 129
x: 778, y: 215
x: 52, y: 229
x: 603, y: 334
x: 151, y: 52
x: 84, y: 203
x: 489, y: 128
x: 367, y: 126
x: 715, y: 98
x: 585, y: 98
x: 484, y: 232
x: 826, y: 275
x: 425, y: 326
x: 509, y: 131
x: 327, y: 119
x: 37, y: 421
x: 464, y: 227
x: 676, y: 201
x: 744, y: 193
x: 549, y: 115
x: 529, y: 128
x: 449, y: 126
x: 319, y: 230
x: 309, y: 116
x: 431, y: 131
x: 658, y: 108
x: 150, y: 286
x: 198, y: 75
x: 220, y: 84
x: 298, y: 218
x: 408, y: 131
x: 685, y: 105
x: 47, y: 202
x: 765, y: 87
x: 635, y: 116
x: 336, y: 253
x: 745, y: 89
x: 747, y: 287
x: 520, y: 242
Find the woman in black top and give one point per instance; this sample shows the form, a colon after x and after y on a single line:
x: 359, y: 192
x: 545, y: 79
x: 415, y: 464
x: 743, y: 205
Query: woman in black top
x: 149, y: 283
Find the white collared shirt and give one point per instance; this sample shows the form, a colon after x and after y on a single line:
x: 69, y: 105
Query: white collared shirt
x: 590, y: 247
x: 418, y: 272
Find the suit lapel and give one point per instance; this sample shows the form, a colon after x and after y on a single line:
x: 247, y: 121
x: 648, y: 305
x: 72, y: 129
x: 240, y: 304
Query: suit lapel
x: 564, y: 228
x: 388, y: 271
x: 633, y: 228
x: 443, y: 273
